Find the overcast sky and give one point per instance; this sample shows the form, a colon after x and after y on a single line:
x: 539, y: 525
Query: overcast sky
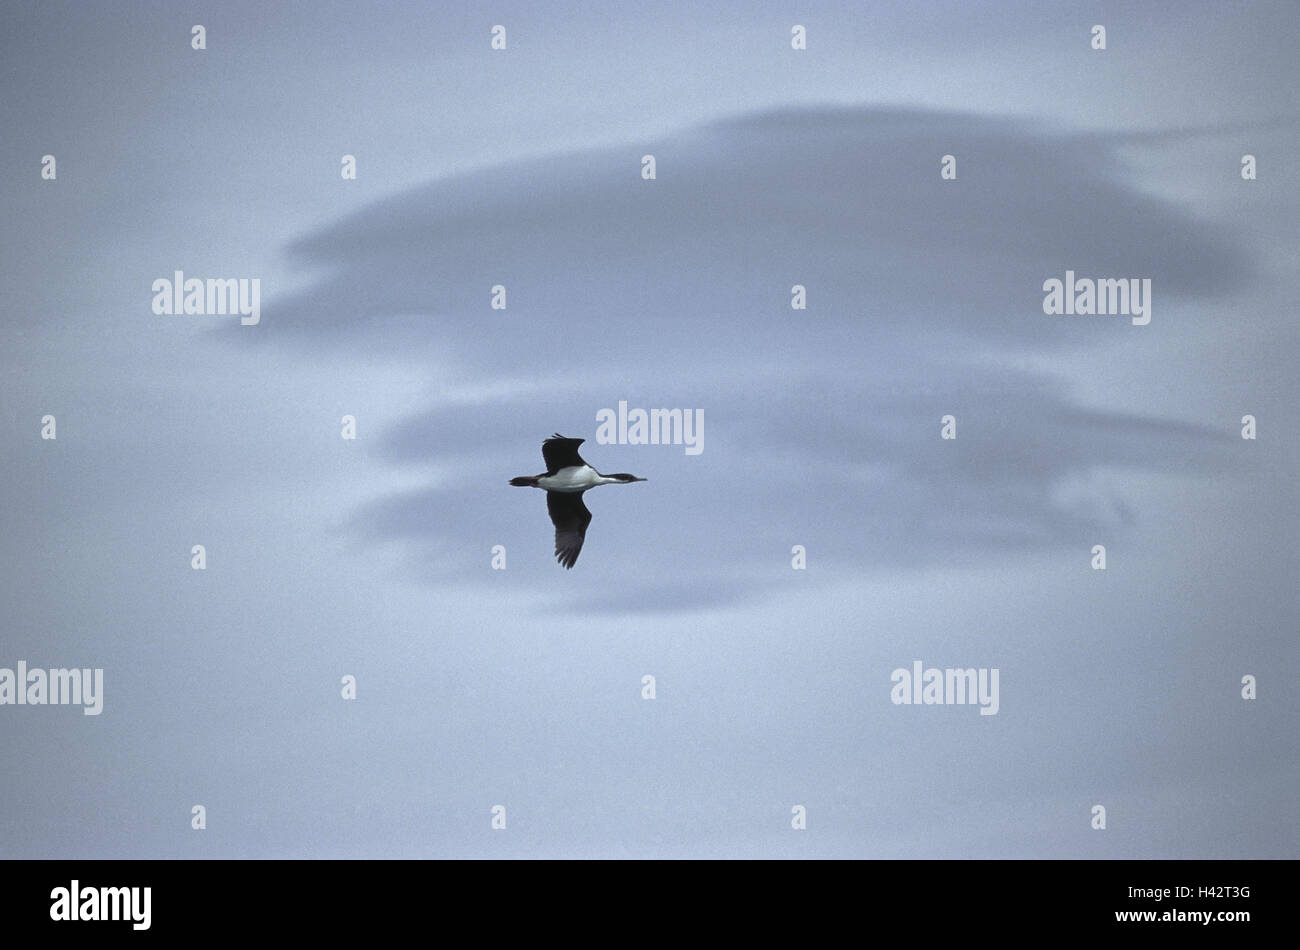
x: 522, y: 687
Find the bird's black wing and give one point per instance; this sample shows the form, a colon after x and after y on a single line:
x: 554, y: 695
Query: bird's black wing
x: 570, y: 517
x: 560, y: 452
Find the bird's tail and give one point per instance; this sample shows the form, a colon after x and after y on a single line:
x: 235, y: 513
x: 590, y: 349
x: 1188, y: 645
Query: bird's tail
x: 524, y: 481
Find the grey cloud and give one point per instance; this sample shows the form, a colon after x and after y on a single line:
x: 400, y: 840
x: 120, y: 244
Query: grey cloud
x: 678, y: 288
x: 855, y: 470
x: 845, y: 200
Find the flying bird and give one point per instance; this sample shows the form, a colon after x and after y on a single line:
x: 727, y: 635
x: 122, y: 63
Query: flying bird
x: 566, y: 477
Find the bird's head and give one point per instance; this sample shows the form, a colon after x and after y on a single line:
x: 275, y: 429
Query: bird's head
x: 625, y: 477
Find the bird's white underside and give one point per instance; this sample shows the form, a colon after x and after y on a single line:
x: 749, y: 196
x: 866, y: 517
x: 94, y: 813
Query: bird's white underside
x: 574, y: 479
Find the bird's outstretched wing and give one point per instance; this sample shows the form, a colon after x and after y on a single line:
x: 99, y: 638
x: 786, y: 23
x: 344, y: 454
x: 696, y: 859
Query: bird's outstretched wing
x: 560, y: 452
x: 570, y: 517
